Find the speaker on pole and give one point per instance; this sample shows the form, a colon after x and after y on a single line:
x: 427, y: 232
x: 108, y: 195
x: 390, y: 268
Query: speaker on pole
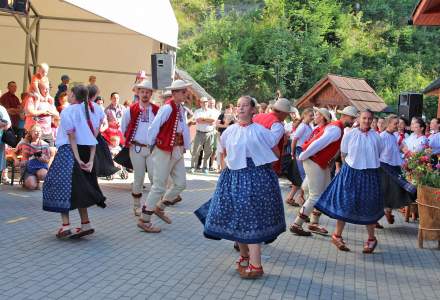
x: 161, y: 70
x: 410, y: 105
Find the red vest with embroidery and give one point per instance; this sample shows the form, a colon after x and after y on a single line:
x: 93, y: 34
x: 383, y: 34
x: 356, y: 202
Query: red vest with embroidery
x: 135, y: 118
x: 324, y: 156
x: 267, y: 120
x: 167, y: 133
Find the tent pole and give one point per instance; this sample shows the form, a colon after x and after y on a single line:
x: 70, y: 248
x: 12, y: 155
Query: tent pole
x: 26, y: 77
x: 37, y: 46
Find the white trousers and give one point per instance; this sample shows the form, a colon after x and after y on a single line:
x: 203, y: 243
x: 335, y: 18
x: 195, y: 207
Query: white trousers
x: 317, y: 181
x: 141, y: 159
x: 167, y: 165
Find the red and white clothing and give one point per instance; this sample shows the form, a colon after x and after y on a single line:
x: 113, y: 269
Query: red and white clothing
x: 416, y: 143
x: 302, y: 133
x: 434, y: 143
x: 169, y: 134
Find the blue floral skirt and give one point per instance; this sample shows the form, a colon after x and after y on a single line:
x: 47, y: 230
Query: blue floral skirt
x: 397, y: 191
x: 67, y: 186
x: 247, y: 206
x: 353, y: 196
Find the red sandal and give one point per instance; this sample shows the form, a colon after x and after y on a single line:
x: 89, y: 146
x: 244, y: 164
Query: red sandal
x: 369, y: 246
x: 252, y: 272
x: 338, y: 241
x: 242, y: 263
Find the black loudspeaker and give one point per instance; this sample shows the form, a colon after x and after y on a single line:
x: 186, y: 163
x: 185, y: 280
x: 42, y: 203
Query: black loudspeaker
x: 410, y: 105
x: 161, y: 70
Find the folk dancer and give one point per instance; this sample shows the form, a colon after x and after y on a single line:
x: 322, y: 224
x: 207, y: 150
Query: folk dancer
x: 316, y: 156
x: 169, y: 135
x: 398, y: 191
x: 71, y: 182
x: 135, y: 124
x: 355, y: 194
x: 247, y: 205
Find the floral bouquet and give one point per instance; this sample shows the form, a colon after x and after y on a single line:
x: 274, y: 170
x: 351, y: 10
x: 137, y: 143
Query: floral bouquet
x: 420, y: 169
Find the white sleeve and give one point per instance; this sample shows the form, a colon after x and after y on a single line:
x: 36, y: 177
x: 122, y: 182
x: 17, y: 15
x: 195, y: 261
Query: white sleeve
x: 125, y: 121
x: 277, y: 130
x: 344, y: 143
x: 67, y: 124
x: 161, y: 117
x: 331, y: 134
x: 5, y: 115
x: 299, y: 132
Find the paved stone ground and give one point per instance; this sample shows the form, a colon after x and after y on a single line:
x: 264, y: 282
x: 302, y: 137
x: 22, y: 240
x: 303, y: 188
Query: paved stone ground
x: 119, y: 261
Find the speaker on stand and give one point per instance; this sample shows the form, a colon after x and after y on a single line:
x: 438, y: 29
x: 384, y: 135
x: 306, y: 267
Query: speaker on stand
x: 410, y: 105
x: 161, y: 70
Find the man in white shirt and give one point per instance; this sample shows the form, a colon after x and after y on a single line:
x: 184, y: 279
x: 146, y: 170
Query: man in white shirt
x: 134, y: 125
x: 316, y: 156
x: 205, y: 134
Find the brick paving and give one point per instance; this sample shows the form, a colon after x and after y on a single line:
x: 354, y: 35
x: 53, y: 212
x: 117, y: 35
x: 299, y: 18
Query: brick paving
x: 120, y: 262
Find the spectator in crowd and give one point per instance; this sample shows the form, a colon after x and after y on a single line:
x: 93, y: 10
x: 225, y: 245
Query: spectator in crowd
x: 100, y: 102
x: 374, y: 124
x: 434, y: 140
x: 40, y: 110
x: 40, y: 77
x: 92, y: 80
x: 62, y: 88
x: 12, y: 104
x: 62, y: 102
x: 225, y: 119
x: 35, y: 156
x: 126, y: 104
x: 262, y: 109
x: 5, y: 123
x: 212, y: 105
x: 205, y: 134
x: 114, y: 111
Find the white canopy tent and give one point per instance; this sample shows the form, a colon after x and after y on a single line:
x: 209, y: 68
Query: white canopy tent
x: 110, y: 39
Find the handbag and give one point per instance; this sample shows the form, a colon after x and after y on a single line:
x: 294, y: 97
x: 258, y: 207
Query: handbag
x: 9, y: 138
x: 123, y: 158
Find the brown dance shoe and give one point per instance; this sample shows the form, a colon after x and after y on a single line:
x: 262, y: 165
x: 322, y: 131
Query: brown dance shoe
x: 369, y: 246
x: 148, y: 227
x: 298, y: 230
x: 172, y: 202
x: 316, y: 228
x: 252, y: 272
x: 242, y: 263
x: 339, y: 243
x: 79, y: 232
x: 161, y: 214
x: 63, y: 234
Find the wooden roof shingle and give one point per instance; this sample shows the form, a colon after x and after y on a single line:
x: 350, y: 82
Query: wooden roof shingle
x: 426, y: 13
x: 352, y: 91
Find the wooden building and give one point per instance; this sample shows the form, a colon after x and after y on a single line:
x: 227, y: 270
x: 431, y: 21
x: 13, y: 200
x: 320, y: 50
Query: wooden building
x: 335, y: 90
x: 427, y: 13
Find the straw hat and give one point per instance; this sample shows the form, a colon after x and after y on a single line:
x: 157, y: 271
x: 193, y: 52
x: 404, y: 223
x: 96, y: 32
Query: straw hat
x: 178, y: 85
x: 324, y: 112
x: 283, y: 105
x: 349, y: 111
x: 144, y: 84
x: 203, y: 99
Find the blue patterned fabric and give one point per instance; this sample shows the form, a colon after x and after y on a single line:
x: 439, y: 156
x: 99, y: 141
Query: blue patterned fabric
x: 246, y: 206
x: 353, y: 196
x: 33, y: 165
x: 57, y: 187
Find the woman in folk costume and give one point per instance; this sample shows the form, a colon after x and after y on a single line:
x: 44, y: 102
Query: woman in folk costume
x: 103, y: 163
x: 71, y: 182
x: 247, y: 205
x: 355, y: 195
x: 434, y: 140
x: 417, y: 141
x: 396, y: 190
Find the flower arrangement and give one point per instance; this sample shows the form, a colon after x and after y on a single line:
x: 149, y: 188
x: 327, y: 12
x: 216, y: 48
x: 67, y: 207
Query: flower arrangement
x: 420, y: 170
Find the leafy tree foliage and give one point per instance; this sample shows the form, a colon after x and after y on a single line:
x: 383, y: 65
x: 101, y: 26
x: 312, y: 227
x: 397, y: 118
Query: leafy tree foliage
x: 258, y: 47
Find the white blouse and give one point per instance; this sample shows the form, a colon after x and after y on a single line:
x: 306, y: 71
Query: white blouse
x: 73, y: 119
x: 302, y: 133
x: 362, y: 149
x: 241, y: 142
x: 414, y: 143
x: 434, y: 143
x: 97, y: 116
x: 390, y: 152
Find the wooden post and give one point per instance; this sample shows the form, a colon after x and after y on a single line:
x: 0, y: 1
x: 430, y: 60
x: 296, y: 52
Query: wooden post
x: 26, y: 78
x: 37, y: 46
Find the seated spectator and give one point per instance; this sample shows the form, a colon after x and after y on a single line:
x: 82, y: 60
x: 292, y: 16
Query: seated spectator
x: 62, y: 89
x: 111, y: 132
x: 35, y: 156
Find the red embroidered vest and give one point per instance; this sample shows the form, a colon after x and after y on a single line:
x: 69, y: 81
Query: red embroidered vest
x: 167, y: 133
x: 135, y: 117
x: 324, y: 156
x: 267, y: 120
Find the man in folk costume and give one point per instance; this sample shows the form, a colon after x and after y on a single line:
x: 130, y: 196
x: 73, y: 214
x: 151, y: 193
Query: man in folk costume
x: 274, y: 121
x: 316, y: 156
x: 135, y: 124
x: 169, y: 136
